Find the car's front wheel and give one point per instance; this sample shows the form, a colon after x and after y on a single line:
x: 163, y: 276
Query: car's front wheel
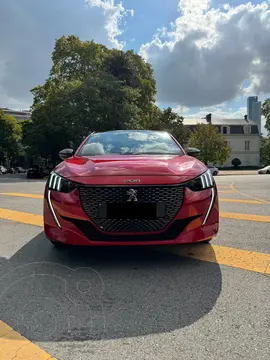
x: 214, y: 173
x: 206, y: 241
x: 57, y: 244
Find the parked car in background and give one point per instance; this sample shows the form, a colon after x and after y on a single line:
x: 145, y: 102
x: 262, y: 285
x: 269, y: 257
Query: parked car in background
x: 3, y: 170
x: 35, y: 172
x: 265, y: 170
x: 20, y: 170
x: 11, y: 171
x: 214, y: 170
x: 47, y: 170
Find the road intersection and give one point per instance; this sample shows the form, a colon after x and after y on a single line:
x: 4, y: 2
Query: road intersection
x: 188, y: 302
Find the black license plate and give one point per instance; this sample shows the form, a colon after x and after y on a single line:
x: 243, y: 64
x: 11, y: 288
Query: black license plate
x: 132, y: 210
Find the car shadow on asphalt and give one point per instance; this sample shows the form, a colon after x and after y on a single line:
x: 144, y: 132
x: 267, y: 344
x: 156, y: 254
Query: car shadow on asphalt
x: 81, y: 294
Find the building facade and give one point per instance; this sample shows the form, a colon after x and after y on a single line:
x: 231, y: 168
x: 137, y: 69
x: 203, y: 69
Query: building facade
x: 242, y: 135
x: 254, y: 110
x: 20, y: 115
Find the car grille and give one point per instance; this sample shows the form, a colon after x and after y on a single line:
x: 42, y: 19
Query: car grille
x: 171, y: 233
x: 92, y: 196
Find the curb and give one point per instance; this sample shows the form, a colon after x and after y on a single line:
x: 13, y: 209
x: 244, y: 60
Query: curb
x: 237, y: 173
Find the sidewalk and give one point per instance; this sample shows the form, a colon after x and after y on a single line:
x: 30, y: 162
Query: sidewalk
x: 237, y: 172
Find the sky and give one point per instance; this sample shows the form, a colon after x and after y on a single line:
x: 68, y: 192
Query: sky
x: 207, y: 56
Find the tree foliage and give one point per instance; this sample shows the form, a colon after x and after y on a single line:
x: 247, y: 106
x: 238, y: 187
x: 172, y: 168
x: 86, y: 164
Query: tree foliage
x: 93, y: 88
x: 265, y: 152
x: 214, y: 148
x: 10, y: 137
x: 266, y: 114
x: 168, y: 120
x: 90, y: 88
x: 236, y: 162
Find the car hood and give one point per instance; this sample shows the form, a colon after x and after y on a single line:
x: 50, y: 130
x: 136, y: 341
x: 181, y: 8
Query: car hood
x: 128, y: 166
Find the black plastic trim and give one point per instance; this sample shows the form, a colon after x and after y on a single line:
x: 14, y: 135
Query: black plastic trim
x: 92, y: 233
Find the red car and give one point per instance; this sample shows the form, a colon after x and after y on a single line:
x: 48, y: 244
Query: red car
x: 130, y: 187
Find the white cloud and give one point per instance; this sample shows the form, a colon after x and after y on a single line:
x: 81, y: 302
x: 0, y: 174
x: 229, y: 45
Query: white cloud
x: 208, y: 53
x: 30, y: 29
x: 218, y: 113
x: 113, y: 14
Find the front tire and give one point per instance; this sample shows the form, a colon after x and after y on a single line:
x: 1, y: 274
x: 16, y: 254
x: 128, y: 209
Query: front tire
x: 214, y: 173
x: 57, y: 244
x: 206, y: 241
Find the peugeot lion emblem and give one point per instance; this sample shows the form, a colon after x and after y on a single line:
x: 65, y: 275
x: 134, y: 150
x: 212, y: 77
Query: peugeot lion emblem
x: 132, y: 193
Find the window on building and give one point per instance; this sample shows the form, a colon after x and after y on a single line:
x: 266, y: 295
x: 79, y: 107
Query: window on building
x: 247, y: 130
x: 225, y: 130
x: 247, y: 142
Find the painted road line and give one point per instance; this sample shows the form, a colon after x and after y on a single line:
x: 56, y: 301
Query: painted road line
x: 233, y: 188
x: 21, y: 217
x: 226, y: 192
x: 243, y: 259
x: 247, y: 217
x: 38, y: 196
x: 31, y: 196
x: 37, y: 220
x: 238, y: 258
x: 241, y: 201
x: 15, y: 346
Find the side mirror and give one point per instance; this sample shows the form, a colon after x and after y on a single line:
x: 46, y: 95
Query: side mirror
x: 193, y: 152
x: 66, y: 153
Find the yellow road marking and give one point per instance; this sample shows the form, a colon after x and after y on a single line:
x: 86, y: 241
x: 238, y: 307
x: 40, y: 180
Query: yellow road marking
x: 15, y: 346
x: 31, y: 196
x: 226, y: 192
x: 238, y: 258
x: 22, y: 217
x: 234, y: 189
x: 38, y: 196
x: 33, y: 219
x: 243, y: 259
x: 248, y: 217
x: 240, y: 201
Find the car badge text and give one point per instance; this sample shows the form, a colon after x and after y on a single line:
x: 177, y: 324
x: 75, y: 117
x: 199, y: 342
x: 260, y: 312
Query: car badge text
x: 132, y: 193
x: 132, y: 180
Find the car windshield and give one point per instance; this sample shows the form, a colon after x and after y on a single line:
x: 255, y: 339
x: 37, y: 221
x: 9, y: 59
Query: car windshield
x: 130, y: 143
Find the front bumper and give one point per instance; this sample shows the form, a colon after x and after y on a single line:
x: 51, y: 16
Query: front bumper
x: 65, y: 221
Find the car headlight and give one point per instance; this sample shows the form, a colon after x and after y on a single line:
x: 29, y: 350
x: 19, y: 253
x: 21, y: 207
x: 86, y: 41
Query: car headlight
x: 58, y: 183
x: 202, y: 182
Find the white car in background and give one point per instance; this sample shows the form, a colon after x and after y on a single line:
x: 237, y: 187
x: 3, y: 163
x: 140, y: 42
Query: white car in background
x: 214, y: 170
x: 3, y: 170
x: 265, y: 170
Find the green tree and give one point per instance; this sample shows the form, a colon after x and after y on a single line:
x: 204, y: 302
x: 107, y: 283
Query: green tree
x: 90, y: 88
x: 77, y: 108
x: 74, y: 59
x: 266, y: 114
x: 214, y: 148
x: 134, y: 72
x: 170, y: 121
x: 10, y: 137
x: 265, y: 151
x: 236, y: 162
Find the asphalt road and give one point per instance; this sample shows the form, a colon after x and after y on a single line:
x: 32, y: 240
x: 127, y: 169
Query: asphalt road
x: 139, y: 303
